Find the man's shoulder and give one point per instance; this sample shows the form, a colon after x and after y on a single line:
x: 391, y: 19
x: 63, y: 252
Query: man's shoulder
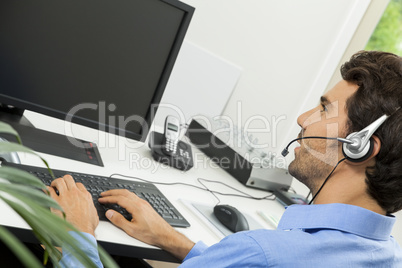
x: 268, y: 238
x: 356, y: 249
x: 263, y: 234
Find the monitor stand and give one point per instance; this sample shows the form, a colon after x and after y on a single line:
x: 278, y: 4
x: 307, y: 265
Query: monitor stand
x: 48, y: 142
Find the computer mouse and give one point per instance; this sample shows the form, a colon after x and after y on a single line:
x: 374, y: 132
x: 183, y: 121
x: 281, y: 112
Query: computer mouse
x: 230, y: 217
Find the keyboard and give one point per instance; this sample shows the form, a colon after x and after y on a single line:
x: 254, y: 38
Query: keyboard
x: 96, y: 184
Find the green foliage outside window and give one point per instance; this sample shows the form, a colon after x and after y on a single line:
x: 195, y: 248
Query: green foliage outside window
x: 388, y: 34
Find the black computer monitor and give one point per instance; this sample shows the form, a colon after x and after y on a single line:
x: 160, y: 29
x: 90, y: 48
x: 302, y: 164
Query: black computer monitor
x: 99, y: 63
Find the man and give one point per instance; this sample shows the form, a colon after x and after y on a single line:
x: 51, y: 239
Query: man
x: 349, y: 224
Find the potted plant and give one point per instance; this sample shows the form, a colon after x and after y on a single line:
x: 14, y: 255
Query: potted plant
x: 16, y: 190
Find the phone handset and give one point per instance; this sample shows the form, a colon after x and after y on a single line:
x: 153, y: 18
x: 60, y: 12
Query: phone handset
x: 171, y: 135
x: 168, y: 149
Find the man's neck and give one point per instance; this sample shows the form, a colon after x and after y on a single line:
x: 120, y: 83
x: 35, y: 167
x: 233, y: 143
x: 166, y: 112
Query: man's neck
x: 347, y: 185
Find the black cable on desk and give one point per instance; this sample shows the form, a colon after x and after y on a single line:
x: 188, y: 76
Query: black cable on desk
x: 245, y: 195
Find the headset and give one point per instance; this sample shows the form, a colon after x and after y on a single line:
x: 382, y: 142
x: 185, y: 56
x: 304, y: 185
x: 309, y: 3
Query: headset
x: 358, y: 146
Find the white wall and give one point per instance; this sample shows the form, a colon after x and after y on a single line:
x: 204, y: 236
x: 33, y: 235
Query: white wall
x: 200, y: 83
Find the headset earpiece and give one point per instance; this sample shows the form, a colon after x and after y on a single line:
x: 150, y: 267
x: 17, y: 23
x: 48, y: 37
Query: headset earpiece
x: 356, y: 156
x: 362, y: 144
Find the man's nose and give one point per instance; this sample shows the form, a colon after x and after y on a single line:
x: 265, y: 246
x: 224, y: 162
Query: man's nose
x: 307, y: 118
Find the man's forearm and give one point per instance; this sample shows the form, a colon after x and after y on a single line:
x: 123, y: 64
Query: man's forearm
x: 175, y: 243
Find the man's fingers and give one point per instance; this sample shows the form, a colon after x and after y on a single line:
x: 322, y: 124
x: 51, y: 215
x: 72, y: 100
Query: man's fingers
x: 52, y: 192
x: 118, y: 220
x: 54, y: 195
x: 69, y: 181
x: 59, y: 184
x: 119, y: 192
x: 63, y: 184
x: 122, y: 201
x: 81, y: 186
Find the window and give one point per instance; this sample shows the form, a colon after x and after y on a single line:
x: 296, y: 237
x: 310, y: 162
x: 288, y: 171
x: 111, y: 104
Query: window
x: 388, y: 34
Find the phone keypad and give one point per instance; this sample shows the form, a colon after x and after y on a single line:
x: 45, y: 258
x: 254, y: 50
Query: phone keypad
x: 171, y: 146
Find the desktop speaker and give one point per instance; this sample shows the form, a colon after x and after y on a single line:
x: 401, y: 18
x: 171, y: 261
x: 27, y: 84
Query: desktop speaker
x: 251, y: 175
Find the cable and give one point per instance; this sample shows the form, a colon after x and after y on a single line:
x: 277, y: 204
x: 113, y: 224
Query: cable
x: 292, y: 190
x: 285, y: 151
x: 308, y: 196
x: 325, y: 181
x: 245, y: 195
x: 199, y: 180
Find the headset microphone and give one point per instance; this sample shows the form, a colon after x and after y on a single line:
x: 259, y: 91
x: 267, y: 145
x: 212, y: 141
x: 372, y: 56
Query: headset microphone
x: 286, y: 151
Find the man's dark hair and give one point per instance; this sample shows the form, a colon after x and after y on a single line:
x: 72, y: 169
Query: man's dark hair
x: 379, y: 77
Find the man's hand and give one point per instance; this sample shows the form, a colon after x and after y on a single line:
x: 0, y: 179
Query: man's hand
x: 146, y: 224
x: 76, y: 202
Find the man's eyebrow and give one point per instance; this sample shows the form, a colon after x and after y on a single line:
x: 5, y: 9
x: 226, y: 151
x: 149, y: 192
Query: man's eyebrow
x: 324, y: 100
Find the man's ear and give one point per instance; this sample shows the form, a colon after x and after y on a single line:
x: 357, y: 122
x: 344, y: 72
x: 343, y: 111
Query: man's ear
x: 377, y: 146
x: 376, y: 150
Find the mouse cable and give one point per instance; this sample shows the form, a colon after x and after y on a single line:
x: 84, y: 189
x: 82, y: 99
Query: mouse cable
x: 207, y: 189
x: 244, y: 195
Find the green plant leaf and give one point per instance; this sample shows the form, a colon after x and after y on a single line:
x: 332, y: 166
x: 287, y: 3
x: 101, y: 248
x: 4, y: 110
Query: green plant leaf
x: 47, y: 227
x: 107, y: 261
x: 24, y: 255
x: 9, y: 147
x: 67, y: 239
x: 6, y: 128
x: 40, y: 198
x: 19, y: 176
x: 33, y: 206
x: 54, y: 225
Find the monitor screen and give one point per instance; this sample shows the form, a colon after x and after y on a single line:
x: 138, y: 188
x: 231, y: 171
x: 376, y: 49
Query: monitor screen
x: 101, y: 63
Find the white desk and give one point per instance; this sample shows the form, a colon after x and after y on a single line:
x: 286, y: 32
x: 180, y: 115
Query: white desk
x: 125, y: 159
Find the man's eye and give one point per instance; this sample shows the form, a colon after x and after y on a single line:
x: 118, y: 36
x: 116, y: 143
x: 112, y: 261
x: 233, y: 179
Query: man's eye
x: 324, y: 109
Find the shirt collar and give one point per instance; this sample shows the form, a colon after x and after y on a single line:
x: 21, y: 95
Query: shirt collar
x: 343, y: 217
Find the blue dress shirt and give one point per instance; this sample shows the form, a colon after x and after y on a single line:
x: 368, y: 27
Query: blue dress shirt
x: 88, y: 246
x: 330, y: 235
